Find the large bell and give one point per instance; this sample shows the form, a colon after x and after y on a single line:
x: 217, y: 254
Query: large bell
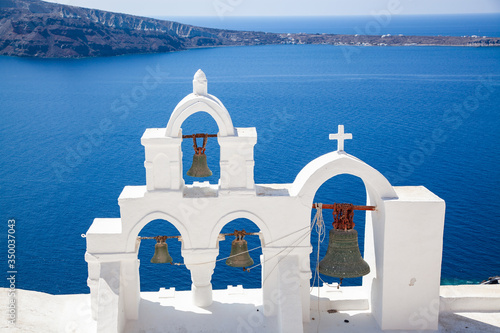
x: 239, y: 256
x: 161, y: 255
x: 199, y: 168
x: 343, y: 258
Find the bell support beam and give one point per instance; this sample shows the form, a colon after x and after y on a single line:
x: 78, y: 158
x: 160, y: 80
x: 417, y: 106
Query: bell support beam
x: 343, y: 214
x: 158, y: 237
x: 199, y: 135
x: 328, y: 206
x: 243, y: 232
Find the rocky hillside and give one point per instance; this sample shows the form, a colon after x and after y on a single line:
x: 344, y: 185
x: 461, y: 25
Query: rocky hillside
x: 35, y: 28
x: 43, y: 29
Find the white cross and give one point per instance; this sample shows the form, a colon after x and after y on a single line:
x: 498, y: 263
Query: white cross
x: 340, y: 137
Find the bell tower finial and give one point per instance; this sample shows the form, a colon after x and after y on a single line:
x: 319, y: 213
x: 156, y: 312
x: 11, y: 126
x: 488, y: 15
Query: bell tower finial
x: 200, y: 83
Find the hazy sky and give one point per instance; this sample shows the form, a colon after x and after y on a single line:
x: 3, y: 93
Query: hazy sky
x: 286, y: 7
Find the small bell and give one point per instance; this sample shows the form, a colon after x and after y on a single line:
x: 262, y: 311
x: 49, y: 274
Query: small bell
x: 343, y: 258
x: 199, y: 168
x: 161, y: 255
x: 239, y: 256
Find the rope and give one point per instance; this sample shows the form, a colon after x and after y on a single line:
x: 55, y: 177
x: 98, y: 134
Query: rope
x: 291, y: 247
x: 307, y: 234
x: 255, y: 248
x: 319, y: 224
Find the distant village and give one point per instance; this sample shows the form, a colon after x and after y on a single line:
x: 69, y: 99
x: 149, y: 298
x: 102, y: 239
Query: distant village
x: 49, y: 30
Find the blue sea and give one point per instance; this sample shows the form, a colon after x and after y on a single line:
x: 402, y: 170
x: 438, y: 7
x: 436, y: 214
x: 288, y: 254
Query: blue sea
x: 378, y: 23
x: 60, y: 168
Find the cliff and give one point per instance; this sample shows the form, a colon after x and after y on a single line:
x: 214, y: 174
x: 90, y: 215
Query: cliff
x: 35, y: 28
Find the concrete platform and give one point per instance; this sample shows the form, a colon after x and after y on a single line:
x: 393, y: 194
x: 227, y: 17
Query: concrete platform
x: 240, y: 310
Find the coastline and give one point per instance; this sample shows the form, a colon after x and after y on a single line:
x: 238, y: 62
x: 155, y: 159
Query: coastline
x: 48, y: 30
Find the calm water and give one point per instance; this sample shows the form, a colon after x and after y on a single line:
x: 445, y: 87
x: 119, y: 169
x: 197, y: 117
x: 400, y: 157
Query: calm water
x: 391, y: 99
x: 376, y: 24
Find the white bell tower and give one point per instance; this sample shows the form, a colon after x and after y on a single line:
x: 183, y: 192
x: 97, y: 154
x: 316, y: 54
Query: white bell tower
x: 403, y: 235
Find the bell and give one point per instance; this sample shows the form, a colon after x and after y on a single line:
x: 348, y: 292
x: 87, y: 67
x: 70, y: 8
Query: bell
x: 343, y: 258
x: 239, y: 256
x: 199, y: 168
x: 161, y: 255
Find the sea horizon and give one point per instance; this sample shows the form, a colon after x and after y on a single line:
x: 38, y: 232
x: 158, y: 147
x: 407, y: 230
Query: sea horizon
x: 484, y: 24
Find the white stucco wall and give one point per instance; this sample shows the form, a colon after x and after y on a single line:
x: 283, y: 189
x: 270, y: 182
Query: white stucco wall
x: 403, y: 237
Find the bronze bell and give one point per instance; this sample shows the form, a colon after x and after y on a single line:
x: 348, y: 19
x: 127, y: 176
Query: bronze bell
x: 199, y: 168
x: 161, y: 255
x: 343, y: 258
x: 239, y: 256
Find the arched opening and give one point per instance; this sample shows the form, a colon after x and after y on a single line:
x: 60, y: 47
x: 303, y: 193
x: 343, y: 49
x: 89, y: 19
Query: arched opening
x: 342, y: 188
x: 201, y: 122
x: 225, y: 275
x: 156, y: 276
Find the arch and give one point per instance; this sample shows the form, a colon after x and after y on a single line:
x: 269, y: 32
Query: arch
x: 342, y: 188
x: 158, y: 215
x: 318, y: 171
x: 192, y: 104
x: 266, y: 234
x: 153, y: 276
x: 327, y: 166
